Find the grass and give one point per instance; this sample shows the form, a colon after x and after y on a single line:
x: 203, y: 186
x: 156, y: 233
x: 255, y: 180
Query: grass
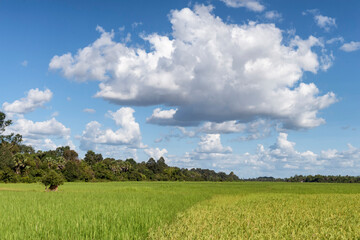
x: 180, y: 210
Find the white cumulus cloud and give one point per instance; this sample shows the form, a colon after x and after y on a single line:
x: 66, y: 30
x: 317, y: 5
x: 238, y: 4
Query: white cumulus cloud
x: 209, y: 70
x: 35, y: 98
x: 163, y: 117
x: 211, y: 143
x: 128, y: 133
x: 37, y: 134
x: 325, y: 22
x: 32, y: 129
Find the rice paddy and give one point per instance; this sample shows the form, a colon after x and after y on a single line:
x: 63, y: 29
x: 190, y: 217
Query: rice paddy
x: 180, y: 210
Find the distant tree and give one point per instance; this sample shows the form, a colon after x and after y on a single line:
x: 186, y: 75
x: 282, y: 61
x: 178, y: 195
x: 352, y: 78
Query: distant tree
x: 91, y: 158
x: 86, y: 172
x: 71, y: 155
x: 102, y: 171
x: 9, y: 144
x: 8, y: 175
x: 161, y: 165
x: 52, y: 180
x: 71, y: 171
x: 3, y: 123
x: 26, y: 149
x: 232, y: 177
x: 131, y: 162
x: 151, y: 165
x: 20, y: 162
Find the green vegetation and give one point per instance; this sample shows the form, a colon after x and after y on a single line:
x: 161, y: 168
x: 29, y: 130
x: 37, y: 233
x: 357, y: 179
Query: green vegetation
x: 181, y: 210
x: 52, y: 180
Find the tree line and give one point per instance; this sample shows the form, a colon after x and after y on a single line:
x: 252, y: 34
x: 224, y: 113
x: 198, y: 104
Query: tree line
x: 309, y: 178
x: 21, y: 163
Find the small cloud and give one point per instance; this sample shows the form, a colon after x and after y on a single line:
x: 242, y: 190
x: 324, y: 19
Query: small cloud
x: 24, y: 63
x: 326, y: 60
x: 127, y: 38
x: 55, y: 114
x: 136, y: 24
x: 325, y: 22
x: 273, y: 15
x: 253, y: 5
x: 322, y: 21
x: 335, y: 40
x: 351, y: 46
x: 89, y: 110
x: 68, y: 99
x: 211, y: 143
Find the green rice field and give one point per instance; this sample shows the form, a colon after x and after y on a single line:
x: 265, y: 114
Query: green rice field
x: 181, y: 210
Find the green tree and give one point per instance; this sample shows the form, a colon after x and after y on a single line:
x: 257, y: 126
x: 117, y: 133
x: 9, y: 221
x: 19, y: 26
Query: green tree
x: 20, y: 162
x: 3, y: 123
x: 151, y: 165
x: 52, y: 180
x: 9, y: 144
x: 71, y: 171
x: 161, y: 165
x: 91, y: 158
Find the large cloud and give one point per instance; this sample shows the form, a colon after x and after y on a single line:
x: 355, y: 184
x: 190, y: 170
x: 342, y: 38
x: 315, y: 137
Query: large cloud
x: 38, y: 134
x: 93, y: 137
x: 35, y: 98
x: 208, y: 70
x: 32, y: 129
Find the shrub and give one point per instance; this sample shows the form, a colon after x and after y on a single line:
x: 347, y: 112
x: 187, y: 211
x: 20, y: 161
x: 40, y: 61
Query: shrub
x: 52, y: 180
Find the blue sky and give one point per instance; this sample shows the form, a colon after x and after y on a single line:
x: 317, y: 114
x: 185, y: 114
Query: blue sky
x: 255, y: 87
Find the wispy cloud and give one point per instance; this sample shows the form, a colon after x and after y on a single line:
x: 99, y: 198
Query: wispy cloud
x: 89, y: 110
x: 253, y: 5
x: 351, y: 46
x: 324, y: 22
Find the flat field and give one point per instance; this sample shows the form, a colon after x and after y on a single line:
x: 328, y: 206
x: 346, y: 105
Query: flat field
x: 181, y: 210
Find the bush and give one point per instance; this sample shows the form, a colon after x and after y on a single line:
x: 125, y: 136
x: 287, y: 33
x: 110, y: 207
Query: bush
x: 8, y: 176
x: 52, y: 180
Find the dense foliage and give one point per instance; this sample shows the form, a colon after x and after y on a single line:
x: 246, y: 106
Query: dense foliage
x: 20, y: 163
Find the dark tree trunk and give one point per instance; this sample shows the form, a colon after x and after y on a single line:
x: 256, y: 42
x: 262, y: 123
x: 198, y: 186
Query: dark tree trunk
x: 53, y: 188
